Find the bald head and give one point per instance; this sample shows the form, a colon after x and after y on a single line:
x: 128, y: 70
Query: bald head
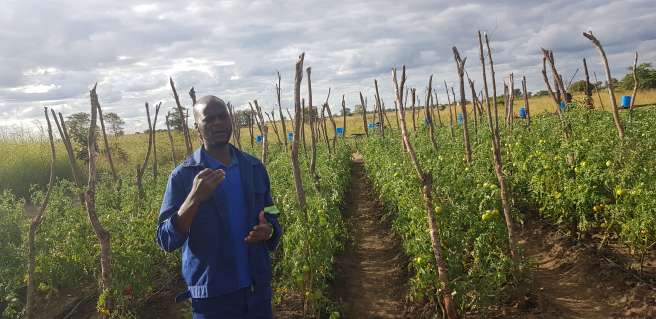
x: 207, y: 101
x: 212, y: 121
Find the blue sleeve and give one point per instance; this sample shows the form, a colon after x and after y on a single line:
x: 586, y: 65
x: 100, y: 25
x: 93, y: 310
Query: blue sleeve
x: 168, y: 237
x: 272, y: 243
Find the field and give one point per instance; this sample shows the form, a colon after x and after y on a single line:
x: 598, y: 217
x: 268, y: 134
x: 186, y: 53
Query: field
x: 395, y: 226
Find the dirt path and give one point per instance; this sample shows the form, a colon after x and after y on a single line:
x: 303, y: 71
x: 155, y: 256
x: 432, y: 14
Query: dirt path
x: 370, y: 273
x: 573, y: 281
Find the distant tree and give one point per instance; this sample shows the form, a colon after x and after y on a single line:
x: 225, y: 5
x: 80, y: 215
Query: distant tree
x: 578, y: 86
x: 541, y: 93
x: 77, y: 125
x: 311, y: 114
x: 358, y: 109
x: 348, y: 112
x: 175, y: 121
x: 517, y: 92
x: 114, y: 123
x: 646, y: 77
x: 243, y: 118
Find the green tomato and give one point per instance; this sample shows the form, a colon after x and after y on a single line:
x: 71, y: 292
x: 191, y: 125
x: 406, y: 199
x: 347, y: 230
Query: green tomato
x: 619, y: 192
x: 608, y: 163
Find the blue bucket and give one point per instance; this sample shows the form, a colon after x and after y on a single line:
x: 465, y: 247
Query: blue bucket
x: 371, y: 125
x: 290, y: 136
x: 258, y: 139
x: 626, y: 101
x: 522, y: 112
x: 339, y: 131
x: 562, y: 105
x: 460, y: 119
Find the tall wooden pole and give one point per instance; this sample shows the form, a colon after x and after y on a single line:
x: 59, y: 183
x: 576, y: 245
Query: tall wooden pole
x: 364, y: 115
x: 34, y: 226
x: 496, y: 148
x: 102, y: 234
x: 611, y: 90
x: 426, y: 179
x: 460, y: 63
x: 108, y: 151
x: 183, y: 119
x: 636, y: 82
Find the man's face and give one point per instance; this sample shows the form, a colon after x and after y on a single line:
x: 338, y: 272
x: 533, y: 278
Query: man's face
x: 213, y: 123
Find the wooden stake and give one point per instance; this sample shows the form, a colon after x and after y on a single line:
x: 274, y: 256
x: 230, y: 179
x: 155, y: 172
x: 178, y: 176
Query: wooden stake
x: 102, y: 234
x: 344, y: 115
x: 313, y: 124
x: 379, y: 109
x: 429, y: 115
x: 168, y: 130
x: 636, y: 82
x: 413, y: 91
x: 364, y: 115
x: 474, y: 100
x: 272, y: 119
x: 460, y: 63
x: 332, y: 121
x: 446, y: 88
x: 588, y: 87
x: 496, y: 149
x: 63, y: 133
x: 601, y: 101
x: 94, y: 99
x: 296, y: 170
x: 526, y: 106
x: 282, y: 117
x: 611, y: 90
x: 426, y: 179
x: 153, y: 132
x: 183, y: 119
x: 34, y: 226
x: 437, y: 104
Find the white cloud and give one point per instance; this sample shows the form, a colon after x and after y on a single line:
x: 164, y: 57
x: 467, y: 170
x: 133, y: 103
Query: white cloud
x: 53, y: 52
x: 38, y: 88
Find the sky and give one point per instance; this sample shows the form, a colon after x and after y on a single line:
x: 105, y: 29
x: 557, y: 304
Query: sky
x: 52, y: 52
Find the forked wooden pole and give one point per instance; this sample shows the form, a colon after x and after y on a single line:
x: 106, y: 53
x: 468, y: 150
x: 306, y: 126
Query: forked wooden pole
x: 426, y: 179
x: 496, y: 150
x: 34, y: 226
x: 103, y: 235
x: 460, y: 63
x: 108, y: 151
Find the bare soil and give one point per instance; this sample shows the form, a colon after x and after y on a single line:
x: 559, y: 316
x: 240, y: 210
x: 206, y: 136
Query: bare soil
x: 370, y: 274
x: 574, y: 280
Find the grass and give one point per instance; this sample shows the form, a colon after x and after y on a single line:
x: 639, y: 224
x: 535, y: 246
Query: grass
x: 26, y: 161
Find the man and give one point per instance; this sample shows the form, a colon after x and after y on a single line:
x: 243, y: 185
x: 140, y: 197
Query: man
x: 217, y: 206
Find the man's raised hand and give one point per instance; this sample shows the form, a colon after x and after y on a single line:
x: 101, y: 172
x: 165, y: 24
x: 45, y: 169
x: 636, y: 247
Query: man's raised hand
x: 205, y: 183
x: 261, y: 231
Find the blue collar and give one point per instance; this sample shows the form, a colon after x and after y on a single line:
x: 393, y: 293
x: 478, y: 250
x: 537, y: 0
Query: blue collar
x: 212, y: 162
x: 199, y: 157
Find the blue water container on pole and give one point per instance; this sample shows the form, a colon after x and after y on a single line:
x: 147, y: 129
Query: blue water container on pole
x: 522, y: 112
x: 371, y: 126
x: 562, y: 105
x: 258, y: 139
x: 625, y: 102
x: 339, y: 131
x: 460, y: 119
x: 290, y: 136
